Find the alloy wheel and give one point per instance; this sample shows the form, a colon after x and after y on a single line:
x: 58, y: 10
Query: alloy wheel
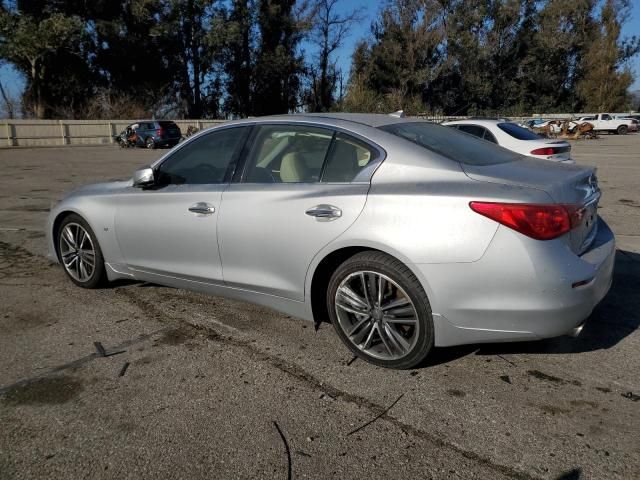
x: 77, y: 252
x: 377, y: 315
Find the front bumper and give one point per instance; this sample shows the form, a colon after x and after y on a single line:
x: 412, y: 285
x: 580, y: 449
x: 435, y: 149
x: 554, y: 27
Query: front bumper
x: 521, y: 289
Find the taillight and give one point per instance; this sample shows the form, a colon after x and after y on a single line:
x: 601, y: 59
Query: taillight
x: 160, y: 132
x: 544, y: 151
x: 550, y: 150
x: 539, y: 221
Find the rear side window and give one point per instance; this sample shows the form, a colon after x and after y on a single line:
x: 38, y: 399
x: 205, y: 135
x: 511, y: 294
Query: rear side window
x: 517, y: 131
x: 347, y: 157
x: 452, y: 144
x: 288, y: 154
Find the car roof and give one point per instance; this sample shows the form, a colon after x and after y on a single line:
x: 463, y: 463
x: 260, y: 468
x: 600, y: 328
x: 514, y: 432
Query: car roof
x: 369, y: 119
x: 478, y: 121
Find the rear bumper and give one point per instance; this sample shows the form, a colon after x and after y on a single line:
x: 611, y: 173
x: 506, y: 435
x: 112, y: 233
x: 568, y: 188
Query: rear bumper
x: 162, y: 142
x: 522, y: 289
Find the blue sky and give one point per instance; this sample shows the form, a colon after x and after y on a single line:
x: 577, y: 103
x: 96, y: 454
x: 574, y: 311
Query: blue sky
x: 12, y: 81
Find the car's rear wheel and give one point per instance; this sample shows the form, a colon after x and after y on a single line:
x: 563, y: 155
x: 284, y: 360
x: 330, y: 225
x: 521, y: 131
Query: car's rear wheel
x: 151, y: 143
x: 80, y: 253
x: 622, y: 129
x: 380, y: 310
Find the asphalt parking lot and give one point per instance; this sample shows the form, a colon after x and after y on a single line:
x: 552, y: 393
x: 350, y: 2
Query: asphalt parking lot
x: 222, y: 389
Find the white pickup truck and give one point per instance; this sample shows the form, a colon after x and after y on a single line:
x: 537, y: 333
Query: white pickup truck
x: 603, y: 122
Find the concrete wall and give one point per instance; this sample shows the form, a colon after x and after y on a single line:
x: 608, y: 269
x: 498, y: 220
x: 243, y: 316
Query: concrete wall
x: 57, y: 133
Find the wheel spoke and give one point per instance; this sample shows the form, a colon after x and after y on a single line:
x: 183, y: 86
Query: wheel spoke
x: 358, y: 325
x: 81, y: 237
x: 83, y: 271
x: 367, y: 343
x: 382, y: 333
x: 398, y: 302
x: 364, y: 331
x: 73, y: 259
x: 67, y: 236
x: 380, y: 280
x: 406, y: 310
x: 397, y: 338
x: 352, y: 297
x: 401, y: 320
x: 365, y: 289
x: 350, y: 309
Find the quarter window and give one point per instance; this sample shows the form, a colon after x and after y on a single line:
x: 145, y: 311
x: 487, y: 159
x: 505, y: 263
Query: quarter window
x: 489, y: 136
x: 474, y: 130
x: 205, y: 160
x: 288, y: 154
x: 347, y: 157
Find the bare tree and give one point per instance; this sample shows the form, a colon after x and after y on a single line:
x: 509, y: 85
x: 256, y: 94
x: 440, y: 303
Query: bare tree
x: 330, y: 29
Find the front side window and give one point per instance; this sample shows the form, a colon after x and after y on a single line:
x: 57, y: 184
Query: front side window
x: 288, y: 154
x: 347, y: 157
x: 207, y: 159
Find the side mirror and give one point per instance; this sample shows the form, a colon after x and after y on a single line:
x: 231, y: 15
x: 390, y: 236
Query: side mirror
x: 143, y: 177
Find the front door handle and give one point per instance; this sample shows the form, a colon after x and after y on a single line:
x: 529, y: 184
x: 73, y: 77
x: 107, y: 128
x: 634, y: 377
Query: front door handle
x: 324, y: 211
x: 202, y: 208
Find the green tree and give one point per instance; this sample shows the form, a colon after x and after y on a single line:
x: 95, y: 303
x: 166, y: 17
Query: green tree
x: 329, y: 31
x: 605, y: 82
x: 35, y: 46
x: 236, y: 38
x: 278, y: 65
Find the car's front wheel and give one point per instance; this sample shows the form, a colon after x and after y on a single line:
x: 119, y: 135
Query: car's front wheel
x: 80, y: 253
x: 380, y: 310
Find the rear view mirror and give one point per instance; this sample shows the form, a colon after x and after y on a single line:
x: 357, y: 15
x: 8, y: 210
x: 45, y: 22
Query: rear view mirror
x: 143, y: 177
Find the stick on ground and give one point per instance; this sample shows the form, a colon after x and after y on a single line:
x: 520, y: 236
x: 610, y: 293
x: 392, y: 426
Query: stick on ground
x: 375, y: 418
x: 286, y: 446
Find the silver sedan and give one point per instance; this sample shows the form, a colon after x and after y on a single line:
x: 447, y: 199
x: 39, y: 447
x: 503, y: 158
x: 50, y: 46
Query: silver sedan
x: 405, y: 234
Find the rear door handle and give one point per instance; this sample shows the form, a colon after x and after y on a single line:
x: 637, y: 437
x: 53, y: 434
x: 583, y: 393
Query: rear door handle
x: 202, y: 208
x: 324, y: 211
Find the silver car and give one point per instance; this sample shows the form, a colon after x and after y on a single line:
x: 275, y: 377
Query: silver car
x: 404, y: 233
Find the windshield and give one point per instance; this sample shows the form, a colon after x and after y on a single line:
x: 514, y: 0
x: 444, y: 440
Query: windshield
x: 518, y: 132
x: 452, y: 144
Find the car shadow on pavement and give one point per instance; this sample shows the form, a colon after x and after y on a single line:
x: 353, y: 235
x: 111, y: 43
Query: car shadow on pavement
x: 615, y: 318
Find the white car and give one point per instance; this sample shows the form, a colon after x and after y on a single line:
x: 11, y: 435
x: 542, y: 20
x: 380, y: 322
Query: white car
x: 515, y: 138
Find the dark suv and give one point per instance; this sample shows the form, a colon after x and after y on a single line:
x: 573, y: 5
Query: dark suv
x: 154, y: 133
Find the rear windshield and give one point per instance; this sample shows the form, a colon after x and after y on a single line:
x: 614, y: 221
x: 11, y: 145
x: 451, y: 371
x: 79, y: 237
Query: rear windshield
x: 453, y: 144
x: 168, y: 125
x: 518, y: 132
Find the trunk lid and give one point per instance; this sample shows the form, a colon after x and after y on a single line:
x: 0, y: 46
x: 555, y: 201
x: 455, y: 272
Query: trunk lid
x: 565, y: 184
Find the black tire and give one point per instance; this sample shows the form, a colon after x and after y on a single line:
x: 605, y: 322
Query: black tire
x: 98, y: 276
x: 150, y: 143
x: 622, y: 130
x: 397, y: 272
